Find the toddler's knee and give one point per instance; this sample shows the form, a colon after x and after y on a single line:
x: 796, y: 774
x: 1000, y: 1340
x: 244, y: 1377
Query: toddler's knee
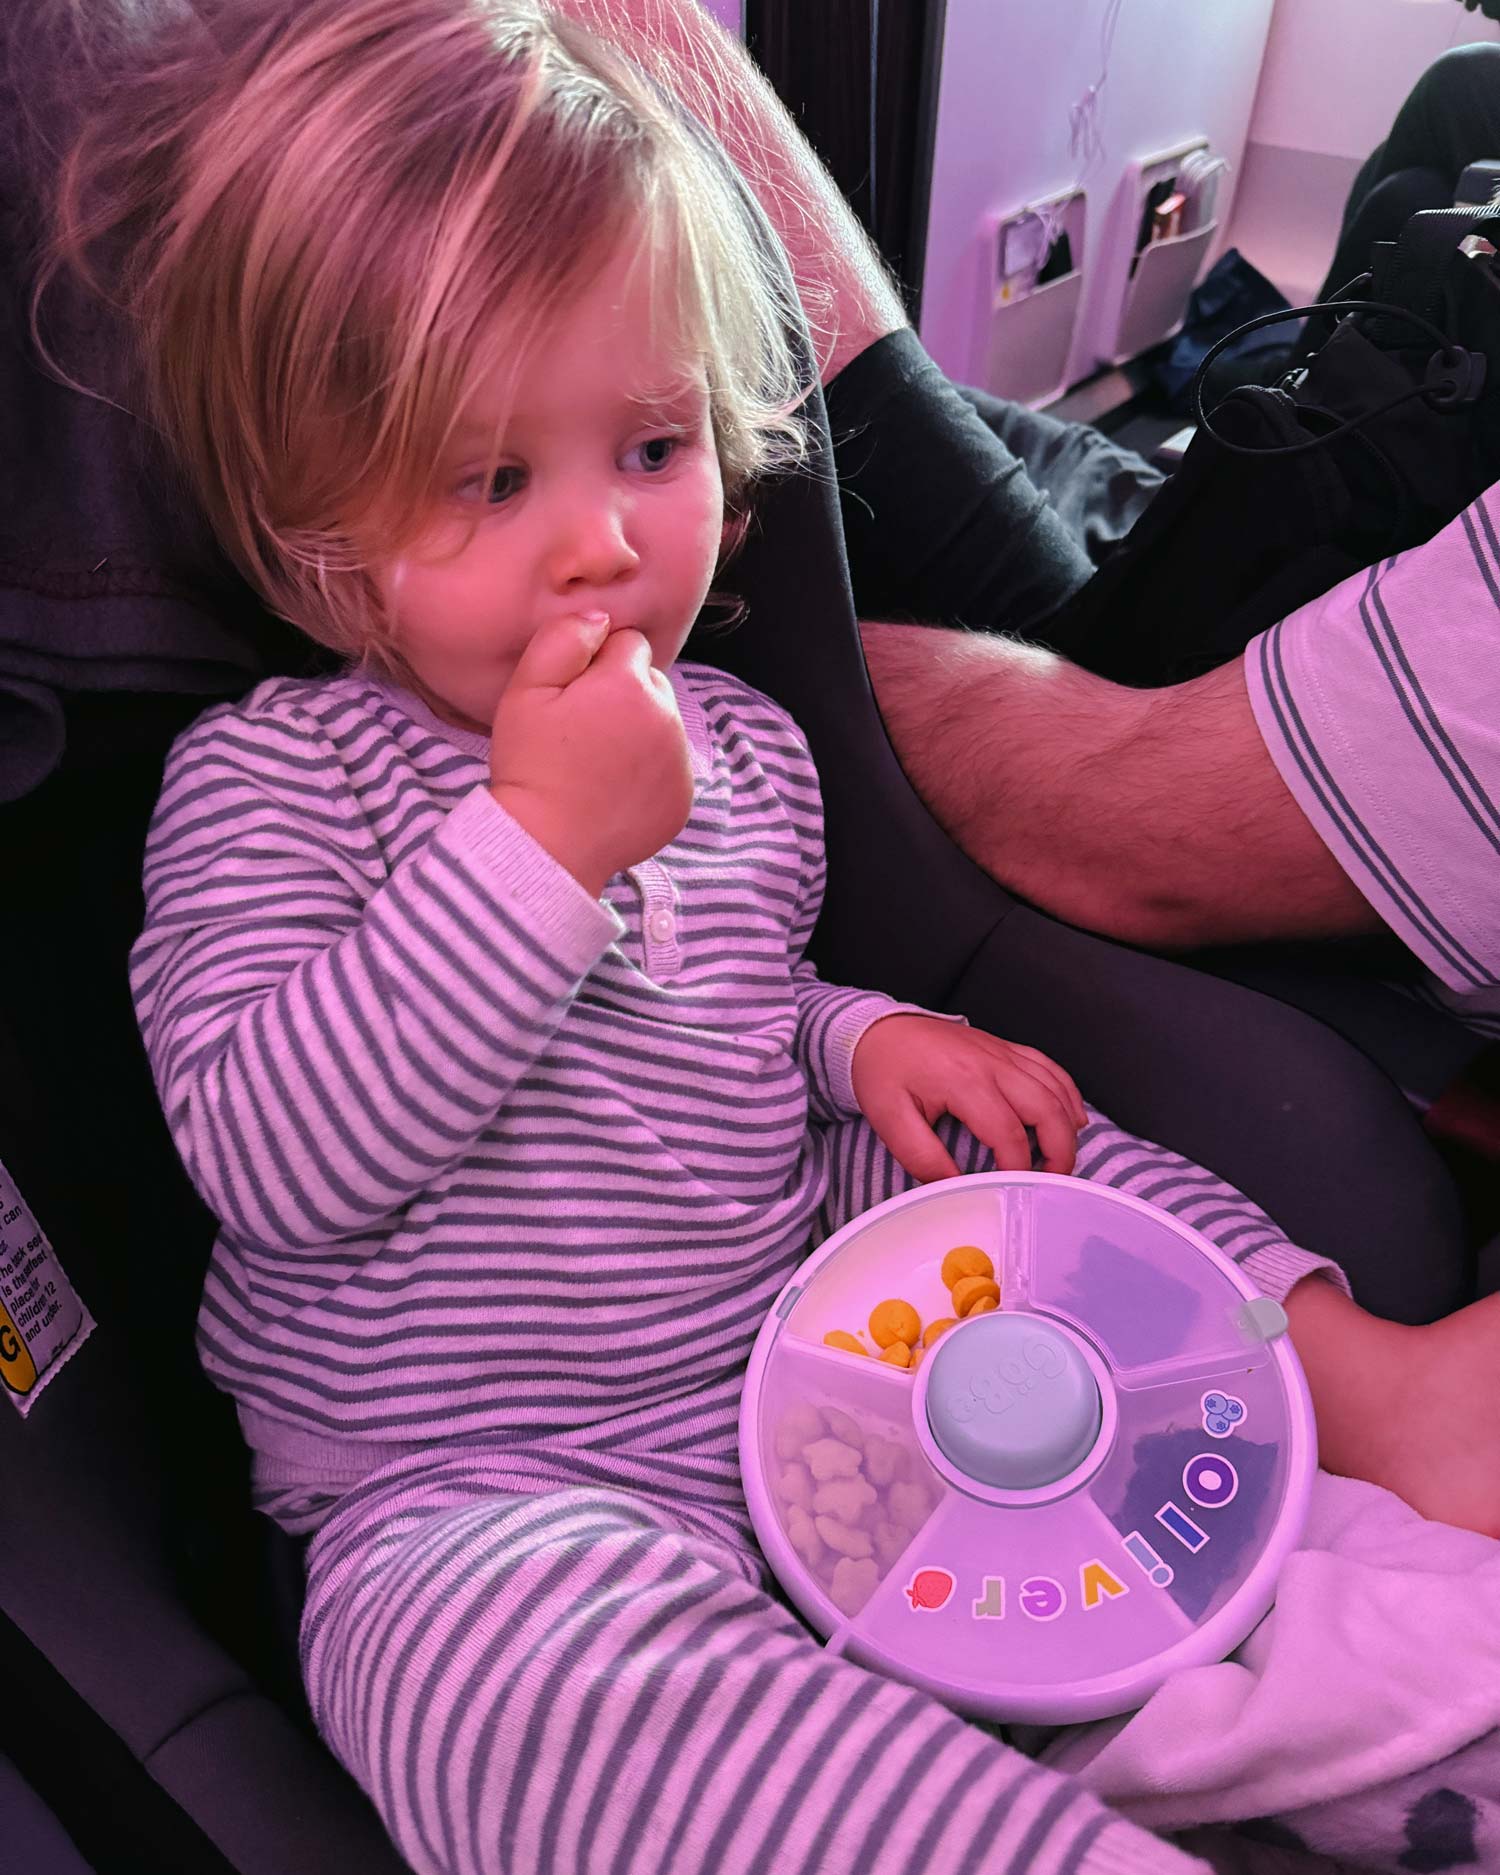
x: 548, y: 1619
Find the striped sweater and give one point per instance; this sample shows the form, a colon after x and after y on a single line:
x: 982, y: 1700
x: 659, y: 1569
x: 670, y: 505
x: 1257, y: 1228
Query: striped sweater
x: 492, y: 1158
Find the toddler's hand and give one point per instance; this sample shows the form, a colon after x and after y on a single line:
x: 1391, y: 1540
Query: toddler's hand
x: 589, y: 752
x: 908, y: 1070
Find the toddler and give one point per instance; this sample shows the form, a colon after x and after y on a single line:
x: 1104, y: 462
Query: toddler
x: 473, y: 972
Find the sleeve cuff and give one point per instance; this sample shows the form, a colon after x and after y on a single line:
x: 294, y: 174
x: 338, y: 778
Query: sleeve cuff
x: 578, y: 929
x: 849, y: 1030
x: 1277, y: 1269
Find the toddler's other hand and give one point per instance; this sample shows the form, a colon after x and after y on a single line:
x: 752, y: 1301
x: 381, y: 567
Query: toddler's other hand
x: 588, y: 751
x: 909, y: 1070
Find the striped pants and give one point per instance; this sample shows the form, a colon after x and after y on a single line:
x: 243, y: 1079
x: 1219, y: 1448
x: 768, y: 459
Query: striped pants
x: 590, y: 1681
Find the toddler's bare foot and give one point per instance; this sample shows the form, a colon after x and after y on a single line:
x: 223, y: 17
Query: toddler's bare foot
x: 1416, y: 1410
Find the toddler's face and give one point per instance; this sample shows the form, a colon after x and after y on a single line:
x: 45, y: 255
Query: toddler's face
x: 608, y: 498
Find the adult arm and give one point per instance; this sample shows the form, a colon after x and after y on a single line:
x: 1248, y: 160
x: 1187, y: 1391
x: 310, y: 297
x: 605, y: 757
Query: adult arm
x: 1156, y: 816
x: 841, y: 280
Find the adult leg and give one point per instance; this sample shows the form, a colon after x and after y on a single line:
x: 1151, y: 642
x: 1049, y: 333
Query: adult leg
x: 942, y: 518
x: 845, y: 290
x: 1451, y: 118
x: 1382, y: 214
x: 1097, y: 488
x: 576, y: 1682
x: 942, y: 521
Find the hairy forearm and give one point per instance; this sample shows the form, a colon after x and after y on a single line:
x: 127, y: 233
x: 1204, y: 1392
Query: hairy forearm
x: 1015, y: 751
x: 1155, y: 816
x: 845, y: 291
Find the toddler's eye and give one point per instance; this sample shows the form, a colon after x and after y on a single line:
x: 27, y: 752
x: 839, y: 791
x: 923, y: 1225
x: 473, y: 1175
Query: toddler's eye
x: 500, y: 487
x: 503, y: 484
x: 656, y: 452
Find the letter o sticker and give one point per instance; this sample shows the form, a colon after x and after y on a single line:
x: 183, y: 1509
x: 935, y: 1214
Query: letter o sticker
x: 1210, y: 1480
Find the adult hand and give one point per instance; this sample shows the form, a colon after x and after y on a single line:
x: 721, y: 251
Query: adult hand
x: 908, y: 1070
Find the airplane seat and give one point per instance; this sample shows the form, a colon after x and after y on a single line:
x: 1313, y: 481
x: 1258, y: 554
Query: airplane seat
x: 138, y: 1593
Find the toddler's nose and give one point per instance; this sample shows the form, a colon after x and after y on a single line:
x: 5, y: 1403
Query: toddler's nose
x: 592, y: 547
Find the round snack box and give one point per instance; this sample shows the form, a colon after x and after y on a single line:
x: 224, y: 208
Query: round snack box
x: 1028, y: 1443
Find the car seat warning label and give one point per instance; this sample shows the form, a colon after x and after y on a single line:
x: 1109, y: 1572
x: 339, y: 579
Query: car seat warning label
x: 42, y: 1320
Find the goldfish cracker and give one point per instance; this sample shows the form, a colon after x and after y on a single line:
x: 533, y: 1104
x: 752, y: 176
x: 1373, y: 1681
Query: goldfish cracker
x: 967, y: 1260
x: 940, y: 1327
x: 800, y: 1425
x: 845, y: 1498
x: 830, y: 1458
x: 846, y: 1539
x: 898, y: 1354
x: 983, y: 1307
x: 894, y: 1321
x: 838, y: 1338
x: 969, y: 1289
x: 853, y: 1583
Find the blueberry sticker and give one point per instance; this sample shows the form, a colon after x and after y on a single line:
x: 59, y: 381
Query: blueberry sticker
x: 1222, y: 1414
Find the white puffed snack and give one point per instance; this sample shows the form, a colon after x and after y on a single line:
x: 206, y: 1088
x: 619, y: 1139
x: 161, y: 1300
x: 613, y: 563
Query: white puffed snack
x: 853, y: 1584
x: 800, y: 1425
x: 841, y: 1537
x: 844, y: 1498
x: 830, y: 1458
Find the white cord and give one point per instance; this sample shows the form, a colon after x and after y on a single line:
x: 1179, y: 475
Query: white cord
x: 1085, y: 137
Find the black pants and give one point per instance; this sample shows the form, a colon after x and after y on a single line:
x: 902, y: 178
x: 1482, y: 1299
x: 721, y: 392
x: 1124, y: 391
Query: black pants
x: 1450, y: 119
x: 960, y: 508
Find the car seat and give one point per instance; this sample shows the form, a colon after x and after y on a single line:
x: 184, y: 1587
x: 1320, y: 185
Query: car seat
x: 151, y: 1701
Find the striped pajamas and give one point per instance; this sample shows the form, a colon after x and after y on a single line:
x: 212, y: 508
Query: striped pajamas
x: 507, y: 1178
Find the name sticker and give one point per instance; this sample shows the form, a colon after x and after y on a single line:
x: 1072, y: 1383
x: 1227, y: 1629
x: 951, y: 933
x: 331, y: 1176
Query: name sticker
x: 42, y: 1321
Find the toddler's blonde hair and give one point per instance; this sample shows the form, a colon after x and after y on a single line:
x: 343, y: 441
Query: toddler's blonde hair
x: 321, y: 218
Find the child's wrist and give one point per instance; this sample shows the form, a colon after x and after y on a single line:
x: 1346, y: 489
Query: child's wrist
x: 534, y: 817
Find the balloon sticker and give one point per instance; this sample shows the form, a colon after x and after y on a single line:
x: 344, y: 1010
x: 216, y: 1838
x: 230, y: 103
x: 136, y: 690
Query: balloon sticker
x: 929, y: 1590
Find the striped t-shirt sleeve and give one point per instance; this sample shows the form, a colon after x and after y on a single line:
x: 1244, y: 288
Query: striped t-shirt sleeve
x: 327, y: 1040
x: 1380, y: 705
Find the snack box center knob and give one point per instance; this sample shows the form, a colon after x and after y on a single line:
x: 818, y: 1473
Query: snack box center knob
x: 1012, y: 1402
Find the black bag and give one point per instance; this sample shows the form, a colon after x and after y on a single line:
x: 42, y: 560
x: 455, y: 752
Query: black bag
x: 1369, y: 447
